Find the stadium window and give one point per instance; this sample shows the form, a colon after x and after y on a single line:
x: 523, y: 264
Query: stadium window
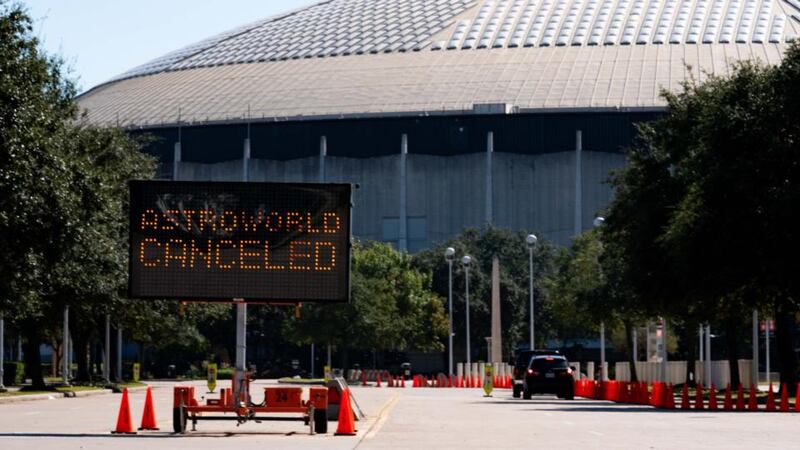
x: 391, y: 230
x: 417, y: 233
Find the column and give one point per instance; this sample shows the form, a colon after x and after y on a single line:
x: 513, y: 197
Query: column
x: 323, y: 152
x: 402, y: 243
x: 578, y: 225
x: 489, y: 219
x: 246, y: 160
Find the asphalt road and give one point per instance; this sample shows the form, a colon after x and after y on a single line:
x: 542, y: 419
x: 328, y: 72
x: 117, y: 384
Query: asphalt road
x: 406, y: 419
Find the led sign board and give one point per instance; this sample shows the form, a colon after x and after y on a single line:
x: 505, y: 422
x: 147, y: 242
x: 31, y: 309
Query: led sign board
x: 262, y: 242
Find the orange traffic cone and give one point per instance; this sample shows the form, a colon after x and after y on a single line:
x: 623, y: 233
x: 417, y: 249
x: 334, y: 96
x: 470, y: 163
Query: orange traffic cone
x: 347, y: 423
x: 712, y: 398
x: 728, y: 405
x: 124, y: 421
x: 670, y: 397
x: 770, y: 399
x: 149, y: 414
x: 752, y: 404
x: 698, y: 398
x: 797, y: 399
x: 740, y: 398
x: 685, y: 397
x: 402, y: 381
x: 363, y: 378
x: 784, y: 398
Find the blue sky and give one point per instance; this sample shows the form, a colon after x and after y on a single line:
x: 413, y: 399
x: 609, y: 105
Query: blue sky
x: 103, y: 38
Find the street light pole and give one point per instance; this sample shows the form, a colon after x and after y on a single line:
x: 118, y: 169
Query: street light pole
x: 107, y: 352
x: 65, y: 346
x: 2, y: 351
x: 708, y: 355
x: 465, y: 261
x: 598, y: 222
x: 449, y: 254
x: 531, y: 241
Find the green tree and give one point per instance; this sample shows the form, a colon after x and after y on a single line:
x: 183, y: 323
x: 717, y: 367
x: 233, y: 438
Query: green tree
x: 512, y: 252
x: 704, y: 209
x: 392, y: 307
x: 63, y: 188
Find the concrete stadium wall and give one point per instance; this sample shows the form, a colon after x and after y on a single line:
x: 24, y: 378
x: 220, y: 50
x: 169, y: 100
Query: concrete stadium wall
x: 529, y: 192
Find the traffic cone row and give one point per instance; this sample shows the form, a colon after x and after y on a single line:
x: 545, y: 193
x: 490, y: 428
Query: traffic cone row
x: 662, y: 396
x: 443, y: 381
x: 125, y: 420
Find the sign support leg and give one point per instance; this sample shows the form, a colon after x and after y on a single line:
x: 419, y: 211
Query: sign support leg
x: 241, y: 348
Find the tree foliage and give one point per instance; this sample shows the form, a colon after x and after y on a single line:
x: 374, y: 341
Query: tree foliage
x: 63, y: 203
x: 512, y: 252
x: 392, y: 307
x: 702, y: 216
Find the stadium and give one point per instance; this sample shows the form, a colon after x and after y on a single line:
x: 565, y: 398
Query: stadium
x: 447, y: 113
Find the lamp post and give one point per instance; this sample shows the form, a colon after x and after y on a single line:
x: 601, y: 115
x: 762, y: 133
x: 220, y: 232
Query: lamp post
x: 2, y: 351
x: 599, y: 222
x: 465, y: 262
x: 449, y: 255
x: 531, y: 241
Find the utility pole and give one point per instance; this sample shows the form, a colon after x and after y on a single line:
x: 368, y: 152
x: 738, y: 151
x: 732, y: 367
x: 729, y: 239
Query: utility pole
x: 65, y: 345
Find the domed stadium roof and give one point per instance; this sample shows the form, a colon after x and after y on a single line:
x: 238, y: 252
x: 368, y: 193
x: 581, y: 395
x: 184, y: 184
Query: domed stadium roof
x: 361, y: 58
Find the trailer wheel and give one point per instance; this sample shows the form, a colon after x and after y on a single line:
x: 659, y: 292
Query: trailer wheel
x: 321, y: 421
x: 179, y: 419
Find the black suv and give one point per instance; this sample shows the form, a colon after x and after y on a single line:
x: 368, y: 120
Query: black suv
x: 521, y: 365
x: 549, y: 375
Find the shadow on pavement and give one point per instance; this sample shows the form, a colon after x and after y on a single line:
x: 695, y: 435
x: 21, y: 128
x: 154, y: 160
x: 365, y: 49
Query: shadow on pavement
x: 149, y: 435
x: 536, y: 402
x: 619, y: 409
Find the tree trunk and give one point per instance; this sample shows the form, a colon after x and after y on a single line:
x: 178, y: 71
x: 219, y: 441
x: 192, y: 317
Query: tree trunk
x: 33, y: 358
x: 631, y: 356
x: 691, y: 353
x: 81, y: 348
x: 345, y: 359
x: 787, y: 358
x: 731, y: 326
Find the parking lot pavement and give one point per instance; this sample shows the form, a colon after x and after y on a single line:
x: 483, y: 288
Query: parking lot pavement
x: 406, y: 419
x: 464, y: 419
x: 87, y: 422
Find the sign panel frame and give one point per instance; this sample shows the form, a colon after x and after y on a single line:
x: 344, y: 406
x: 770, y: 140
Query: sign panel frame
x: 316, y: 236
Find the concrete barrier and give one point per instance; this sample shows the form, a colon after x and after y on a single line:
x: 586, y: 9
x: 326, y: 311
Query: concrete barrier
x: 676, y: 372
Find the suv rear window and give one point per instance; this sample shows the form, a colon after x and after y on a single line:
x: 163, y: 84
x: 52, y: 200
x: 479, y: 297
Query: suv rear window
x: 524, y: 357
x: 548, y: 363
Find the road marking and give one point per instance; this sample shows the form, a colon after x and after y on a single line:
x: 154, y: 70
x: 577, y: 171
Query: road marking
x: 567, y: 422
x: 596, y: 433
x: 32, y: 413
x: 75, y: 408
x: 548, y: 414
x: 383, y: 416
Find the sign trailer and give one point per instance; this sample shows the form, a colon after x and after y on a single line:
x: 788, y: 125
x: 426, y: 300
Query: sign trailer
x: 285, y: 243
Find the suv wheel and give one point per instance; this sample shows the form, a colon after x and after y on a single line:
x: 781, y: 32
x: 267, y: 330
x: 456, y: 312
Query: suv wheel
x: 526, y: 394
x: 569, y: 395
x: 517, y: 391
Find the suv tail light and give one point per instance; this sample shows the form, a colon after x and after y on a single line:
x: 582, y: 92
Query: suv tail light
x: 532, y: 372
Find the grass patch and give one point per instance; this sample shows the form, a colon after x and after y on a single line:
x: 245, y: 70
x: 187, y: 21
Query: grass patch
x: 21, y: 393
x: 78, y: 388
x: 131, y: 384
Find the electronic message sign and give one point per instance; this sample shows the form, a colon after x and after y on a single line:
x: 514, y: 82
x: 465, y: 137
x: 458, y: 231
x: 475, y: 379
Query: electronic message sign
x: 262, y: 242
